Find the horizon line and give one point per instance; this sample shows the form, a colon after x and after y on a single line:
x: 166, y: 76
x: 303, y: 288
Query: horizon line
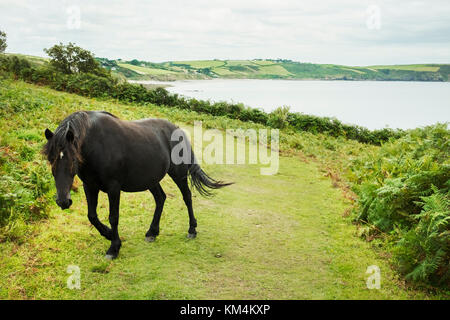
x: 248, y: 59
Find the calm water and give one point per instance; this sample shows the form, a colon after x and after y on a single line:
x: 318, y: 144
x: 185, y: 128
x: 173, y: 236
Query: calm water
x: 373, y: 104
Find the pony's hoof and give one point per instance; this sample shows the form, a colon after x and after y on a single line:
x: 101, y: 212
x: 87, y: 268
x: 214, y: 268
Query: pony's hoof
x: 150, y: 239
x: 191, y: 235
x: 110, y: 257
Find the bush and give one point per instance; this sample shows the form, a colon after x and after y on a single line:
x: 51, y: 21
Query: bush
x: 14, y: 65
x: 423, y: 252
x: 403, y: 191
x: 71, y: 59
x: 279, y: 117
x: 89, y: 85
x: 24, y: 190
x: 2, y: 41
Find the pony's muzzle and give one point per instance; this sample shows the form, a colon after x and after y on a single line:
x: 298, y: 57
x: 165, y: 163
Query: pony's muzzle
x: 64, y: 204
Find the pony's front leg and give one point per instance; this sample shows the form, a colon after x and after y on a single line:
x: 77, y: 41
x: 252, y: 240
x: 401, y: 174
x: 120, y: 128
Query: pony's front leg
x: 114, y: 201
x: 92, y: 200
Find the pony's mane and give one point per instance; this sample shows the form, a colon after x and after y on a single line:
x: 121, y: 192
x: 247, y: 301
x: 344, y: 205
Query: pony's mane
x: 78, y: 123
x: 109, y: 114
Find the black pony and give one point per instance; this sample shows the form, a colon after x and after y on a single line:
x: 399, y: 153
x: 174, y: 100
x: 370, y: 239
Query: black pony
x: 113, y: 155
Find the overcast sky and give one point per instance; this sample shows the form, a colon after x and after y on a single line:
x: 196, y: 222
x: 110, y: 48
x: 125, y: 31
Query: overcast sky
x: 351, y: 32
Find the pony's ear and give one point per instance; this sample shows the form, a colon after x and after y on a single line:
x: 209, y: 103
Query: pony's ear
x: 48, y: 134
x: 69, y: 136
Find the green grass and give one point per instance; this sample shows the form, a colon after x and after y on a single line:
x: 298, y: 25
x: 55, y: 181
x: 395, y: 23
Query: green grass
x: 263, y: 62
x: 354, y: 70
x: 290, y: 247
x: 199, y: 64
x: 145, y: 70
x: 238, y: 63
x: 223, y: 72
x: 412, y: 67
x: 266, y: 237
x: 275, y: 70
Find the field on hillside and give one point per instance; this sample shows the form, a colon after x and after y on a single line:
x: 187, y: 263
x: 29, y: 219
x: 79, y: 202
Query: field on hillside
x: 144, y: 70
x: 411, y: 67
x: 264, y: 69
x: 276, y: 69
x: 286, y: 236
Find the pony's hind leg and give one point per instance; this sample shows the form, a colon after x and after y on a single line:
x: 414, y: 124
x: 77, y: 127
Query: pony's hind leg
x: 160, y: 198
x: 114, y: 202
x: 182, y: 184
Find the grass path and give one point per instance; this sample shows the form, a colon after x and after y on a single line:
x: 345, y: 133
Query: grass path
x: 265, y: 237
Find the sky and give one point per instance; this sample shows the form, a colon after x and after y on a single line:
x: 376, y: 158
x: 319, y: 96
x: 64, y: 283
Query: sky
x: 348, y: 32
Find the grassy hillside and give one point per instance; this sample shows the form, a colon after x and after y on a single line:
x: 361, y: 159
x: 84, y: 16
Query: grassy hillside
x: 254, y: 242
x: 264, y: 69
x: 274, y: 69
x: 34, y: 60
x: 401, y: 192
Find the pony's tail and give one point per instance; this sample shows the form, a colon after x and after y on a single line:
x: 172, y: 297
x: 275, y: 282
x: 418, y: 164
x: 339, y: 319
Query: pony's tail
x: 202, y: 182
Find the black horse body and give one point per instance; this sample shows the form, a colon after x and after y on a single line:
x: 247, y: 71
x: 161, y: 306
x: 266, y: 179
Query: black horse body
x: 112, y: 155
x: 135, y: 155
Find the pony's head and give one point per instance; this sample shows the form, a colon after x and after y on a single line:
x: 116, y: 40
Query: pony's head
x: 63, y: 152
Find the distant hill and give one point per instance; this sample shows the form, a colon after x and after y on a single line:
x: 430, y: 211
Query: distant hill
x: 264, y: 69
x: 272, y: 69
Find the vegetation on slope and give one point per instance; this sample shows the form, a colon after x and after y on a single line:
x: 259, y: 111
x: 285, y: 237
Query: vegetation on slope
x: 402, y: 187
x: 403, y: 195
x: 291, y: 247
x: 100, y: 83
x: 273, y: 69
x: 26, y: 185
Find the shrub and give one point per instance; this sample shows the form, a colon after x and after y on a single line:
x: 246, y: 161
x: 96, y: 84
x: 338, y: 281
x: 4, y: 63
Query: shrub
x: 403, y: 192
x: 423, y: 252
x: 24, y: 190
x: 2, y: 41
x: 71, y: 59
x: 279, y: 117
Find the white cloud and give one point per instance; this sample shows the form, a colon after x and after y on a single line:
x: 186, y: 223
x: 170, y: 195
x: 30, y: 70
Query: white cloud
x: 315, y: 31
